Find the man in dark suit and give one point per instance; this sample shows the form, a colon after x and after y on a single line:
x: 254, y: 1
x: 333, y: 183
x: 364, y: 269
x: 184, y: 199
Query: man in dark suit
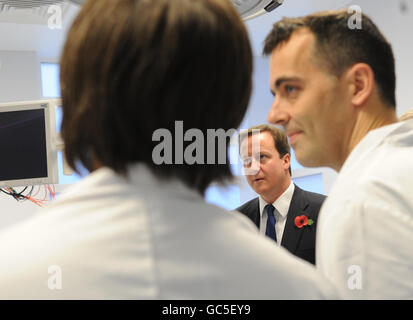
x: 283, y: 211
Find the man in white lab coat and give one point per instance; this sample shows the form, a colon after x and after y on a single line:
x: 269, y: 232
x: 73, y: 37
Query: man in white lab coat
x: 334, y: 93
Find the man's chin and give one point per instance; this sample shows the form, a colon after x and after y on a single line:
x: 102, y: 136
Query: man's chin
x: 307, y: 159
x: 259, y: 189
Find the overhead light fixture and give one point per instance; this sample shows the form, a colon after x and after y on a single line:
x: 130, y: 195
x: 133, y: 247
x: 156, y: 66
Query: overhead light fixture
x: 250, y: 9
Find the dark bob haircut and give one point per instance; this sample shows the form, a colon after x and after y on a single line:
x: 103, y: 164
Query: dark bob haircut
x: 130, y: 67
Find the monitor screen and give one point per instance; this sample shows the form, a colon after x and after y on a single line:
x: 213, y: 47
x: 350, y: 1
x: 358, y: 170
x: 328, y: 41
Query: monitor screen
x: 27, y: 156
x: 23, y: 145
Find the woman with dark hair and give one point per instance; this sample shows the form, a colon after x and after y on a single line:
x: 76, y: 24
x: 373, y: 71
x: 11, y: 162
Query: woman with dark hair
x: 136, y: 228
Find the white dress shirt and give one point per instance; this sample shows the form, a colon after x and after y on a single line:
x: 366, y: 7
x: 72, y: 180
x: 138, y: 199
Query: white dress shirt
x: 108, y: 237
x: 365, y: 227
x: 281, y: 205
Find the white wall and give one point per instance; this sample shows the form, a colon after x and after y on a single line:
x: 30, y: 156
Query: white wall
x: 397, y: 26
x: 19, y: 76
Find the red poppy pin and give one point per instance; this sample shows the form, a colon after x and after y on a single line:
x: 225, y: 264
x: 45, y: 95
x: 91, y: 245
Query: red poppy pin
x: 301, y: 221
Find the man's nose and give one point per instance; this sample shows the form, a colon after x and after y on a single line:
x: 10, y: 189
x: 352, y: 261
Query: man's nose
x: 277, y: 114
x: 254, y: 168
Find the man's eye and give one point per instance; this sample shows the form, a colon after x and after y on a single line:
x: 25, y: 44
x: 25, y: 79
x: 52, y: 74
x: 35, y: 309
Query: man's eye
x: 263, y: 156
x: 290, y: 89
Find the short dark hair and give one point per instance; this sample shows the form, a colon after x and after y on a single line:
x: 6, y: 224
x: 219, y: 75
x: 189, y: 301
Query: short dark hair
x: 280, y: 138
x: 130, y: 67
x: 338, y: 47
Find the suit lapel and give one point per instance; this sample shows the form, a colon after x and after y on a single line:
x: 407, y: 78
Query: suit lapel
x: 292, y: 234
x: 257, y: 213
x: 253, y: 211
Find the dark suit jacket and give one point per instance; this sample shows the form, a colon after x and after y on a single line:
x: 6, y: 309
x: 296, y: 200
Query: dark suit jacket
x: 300, y: 242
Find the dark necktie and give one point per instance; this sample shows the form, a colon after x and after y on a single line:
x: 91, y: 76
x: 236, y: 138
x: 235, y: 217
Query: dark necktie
x: 270, y: 231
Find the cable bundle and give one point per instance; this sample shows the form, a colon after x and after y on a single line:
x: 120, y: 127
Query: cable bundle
x: 28, y: 194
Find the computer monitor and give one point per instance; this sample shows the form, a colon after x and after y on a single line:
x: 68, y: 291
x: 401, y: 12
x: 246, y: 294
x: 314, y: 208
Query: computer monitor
x: 28, y: 143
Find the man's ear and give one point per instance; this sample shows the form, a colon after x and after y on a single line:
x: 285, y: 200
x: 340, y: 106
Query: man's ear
x: 287, y: 160
x: 361, y: 79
